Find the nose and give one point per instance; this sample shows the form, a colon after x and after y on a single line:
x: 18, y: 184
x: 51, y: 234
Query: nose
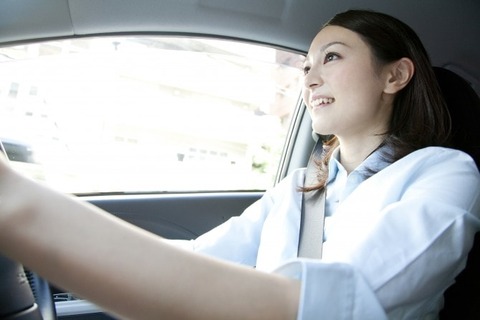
x: 313, y: 78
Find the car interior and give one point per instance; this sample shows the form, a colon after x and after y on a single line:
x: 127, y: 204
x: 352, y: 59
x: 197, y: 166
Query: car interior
x: 449, y: 30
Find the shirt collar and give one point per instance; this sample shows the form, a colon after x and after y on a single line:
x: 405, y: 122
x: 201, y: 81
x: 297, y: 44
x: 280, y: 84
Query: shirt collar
x: 374, y: 162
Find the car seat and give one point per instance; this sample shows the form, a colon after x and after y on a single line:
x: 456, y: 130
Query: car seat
x: 462, y: 299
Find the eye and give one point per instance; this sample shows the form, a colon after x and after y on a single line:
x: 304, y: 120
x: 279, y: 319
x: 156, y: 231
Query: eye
x: 330, y: 56
x: 306, y: 69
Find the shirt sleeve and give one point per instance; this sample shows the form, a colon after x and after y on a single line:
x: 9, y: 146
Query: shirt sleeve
x: 342, y: 295
x: 237, y: 240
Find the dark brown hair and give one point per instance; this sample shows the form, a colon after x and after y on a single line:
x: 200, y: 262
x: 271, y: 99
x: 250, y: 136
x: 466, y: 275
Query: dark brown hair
x: 420, y: 117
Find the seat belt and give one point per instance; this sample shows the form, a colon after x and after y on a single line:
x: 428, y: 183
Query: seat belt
x: 312, y: 210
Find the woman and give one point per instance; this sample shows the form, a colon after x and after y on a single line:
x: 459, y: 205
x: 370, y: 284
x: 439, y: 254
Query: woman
x: 410, y: 206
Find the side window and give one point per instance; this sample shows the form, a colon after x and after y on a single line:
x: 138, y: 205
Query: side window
x: 146, y: 113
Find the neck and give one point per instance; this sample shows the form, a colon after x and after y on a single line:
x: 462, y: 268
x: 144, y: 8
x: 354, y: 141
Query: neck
x: 353, y: 153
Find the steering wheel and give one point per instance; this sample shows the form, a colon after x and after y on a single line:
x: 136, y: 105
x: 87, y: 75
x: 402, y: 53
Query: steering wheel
x: 23, y: 296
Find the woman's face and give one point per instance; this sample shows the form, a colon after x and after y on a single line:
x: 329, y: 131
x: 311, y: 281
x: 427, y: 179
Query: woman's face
x: 344, y: 87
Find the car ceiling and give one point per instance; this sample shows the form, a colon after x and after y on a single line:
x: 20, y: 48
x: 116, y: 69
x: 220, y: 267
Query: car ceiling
x: 449, y: 29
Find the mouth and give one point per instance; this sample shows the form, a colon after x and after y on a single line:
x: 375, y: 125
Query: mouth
x: 319, y: 102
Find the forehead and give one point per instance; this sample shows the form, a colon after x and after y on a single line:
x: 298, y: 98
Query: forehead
x: 335, y: 35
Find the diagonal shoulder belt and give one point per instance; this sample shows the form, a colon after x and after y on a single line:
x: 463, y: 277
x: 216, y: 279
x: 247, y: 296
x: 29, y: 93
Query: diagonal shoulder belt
x: 312, y: 210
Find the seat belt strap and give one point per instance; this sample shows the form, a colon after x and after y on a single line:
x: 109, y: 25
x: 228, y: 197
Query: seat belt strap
x: 312, y: 210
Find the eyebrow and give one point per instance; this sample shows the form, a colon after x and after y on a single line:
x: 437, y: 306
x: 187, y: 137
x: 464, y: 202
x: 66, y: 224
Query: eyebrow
x: 326, y: 46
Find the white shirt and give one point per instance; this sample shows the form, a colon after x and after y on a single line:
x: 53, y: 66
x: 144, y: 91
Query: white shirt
x: 394, y: 242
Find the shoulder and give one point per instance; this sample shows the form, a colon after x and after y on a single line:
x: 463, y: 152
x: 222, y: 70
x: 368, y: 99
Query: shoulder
x: 441, y: 152
x: 288, y: 187
x: 436, y: 157
x: 295, y: 178
x: 447, y: 175
x: 432, y: 172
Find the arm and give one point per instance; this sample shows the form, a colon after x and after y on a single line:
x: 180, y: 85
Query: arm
x: 125, y: 269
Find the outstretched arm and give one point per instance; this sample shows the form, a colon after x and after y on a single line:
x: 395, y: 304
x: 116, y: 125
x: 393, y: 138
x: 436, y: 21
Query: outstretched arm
x: 125, y: 269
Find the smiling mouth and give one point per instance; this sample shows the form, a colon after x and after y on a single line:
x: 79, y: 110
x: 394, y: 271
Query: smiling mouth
x: 321, y: 102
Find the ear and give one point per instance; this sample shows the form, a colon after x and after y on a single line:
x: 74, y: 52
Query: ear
x: 399, y: 74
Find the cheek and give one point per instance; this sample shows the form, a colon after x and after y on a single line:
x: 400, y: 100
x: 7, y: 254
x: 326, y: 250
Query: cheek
x: 305, y: 95
x: 306, y: 98
x: 359, y: 86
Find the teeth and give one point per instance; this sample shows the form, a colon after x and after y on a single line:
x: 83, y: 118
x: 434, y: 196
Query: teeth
x: 321, y: 101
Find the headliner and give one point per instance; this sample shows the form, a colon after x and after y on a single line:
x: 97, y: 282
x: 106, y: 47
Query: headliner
x: 450, y: 30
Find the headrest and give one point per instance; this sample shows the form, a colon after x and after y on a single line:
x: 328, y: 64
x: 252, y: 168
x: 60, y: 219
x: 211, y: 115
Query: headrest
x: 464, y: 107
